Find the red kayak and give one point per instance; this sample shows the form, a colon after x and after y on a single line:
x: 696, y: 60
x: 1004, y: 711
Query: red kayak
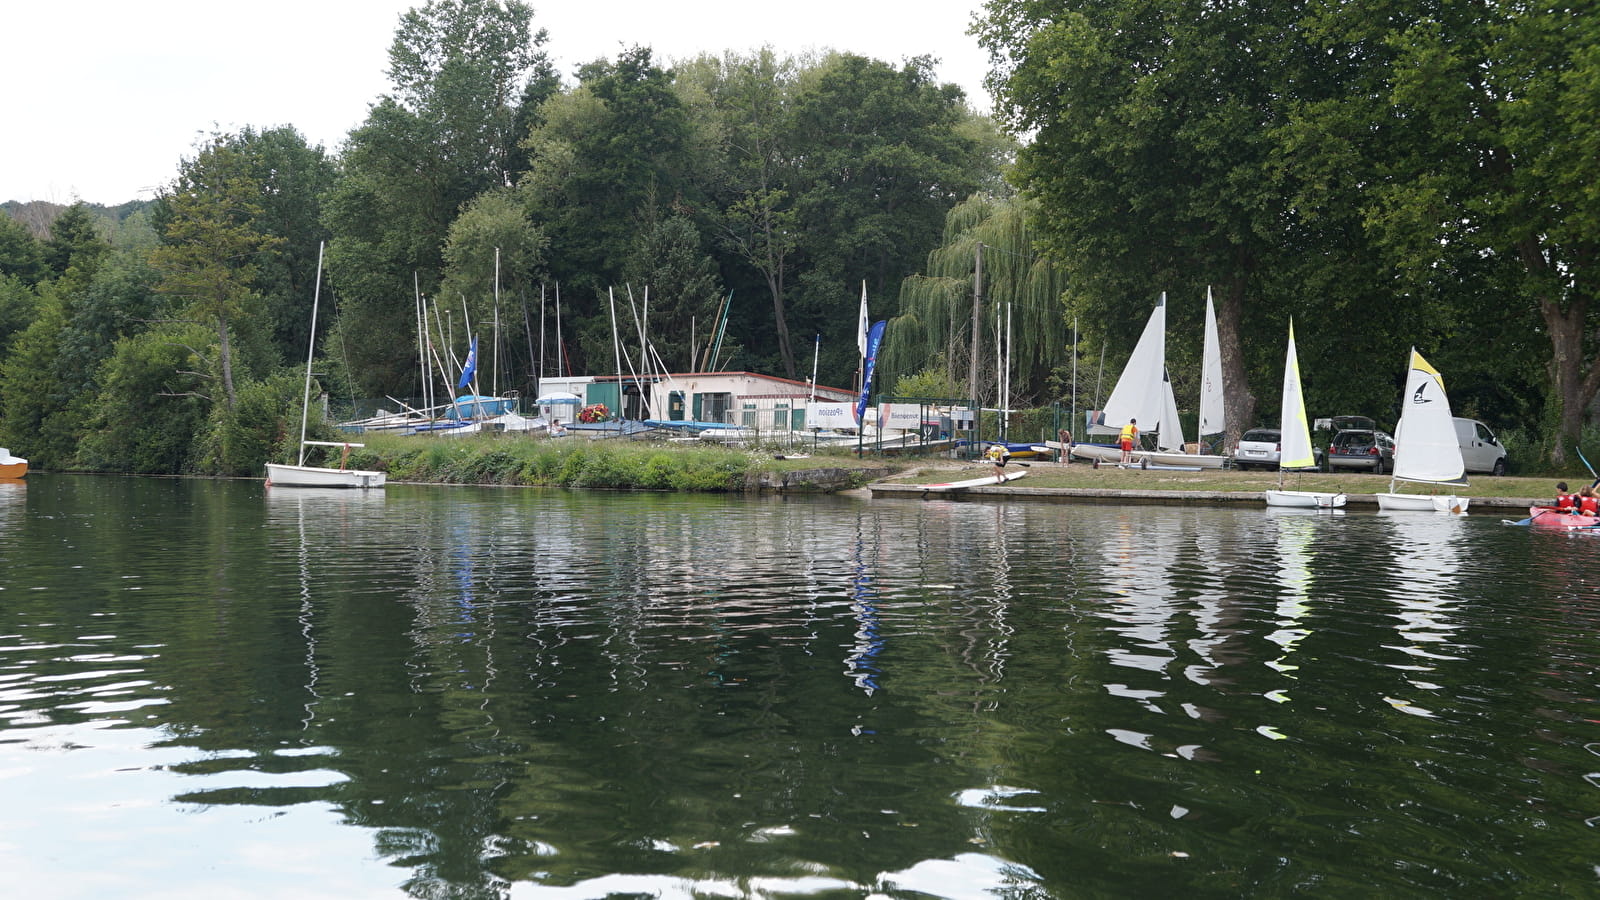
x: 1548, y: 517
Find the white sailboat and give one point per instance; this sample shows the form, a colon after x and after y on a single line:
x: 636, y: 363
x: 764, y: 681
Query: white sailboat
x: 300, y: 474
x: 1144, y: 392
x: 1297, y: 452
x: 1426, y: 448
x: 1212, y: 418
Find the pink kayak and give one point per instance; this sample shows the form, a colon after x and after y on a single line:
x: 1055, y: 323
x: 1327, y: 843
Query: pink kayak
x: 1548, y: 517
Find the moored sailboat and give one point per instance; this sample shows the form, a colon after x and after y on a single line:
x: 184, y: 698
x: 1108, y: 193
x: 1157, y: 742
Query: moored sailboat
x: 300, y: 474
x: 1426, y: 448
x: 1297, y: 452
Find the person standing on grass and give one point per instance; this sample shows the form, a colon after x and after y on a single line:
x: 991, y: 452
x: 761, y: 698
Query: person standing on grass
x: 1130, y: 434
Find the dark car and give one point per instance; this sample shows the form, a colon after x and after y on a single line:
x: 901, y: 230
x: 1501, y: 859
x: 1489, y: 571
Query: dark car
x: 1366, y: 449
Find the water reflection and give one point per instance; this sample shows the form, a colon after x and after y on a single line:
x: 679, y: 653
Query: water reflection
x: 467, y: 692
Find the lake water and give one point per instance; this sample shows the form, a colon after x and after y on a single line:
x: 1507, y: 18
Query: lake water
x: 215, y: 689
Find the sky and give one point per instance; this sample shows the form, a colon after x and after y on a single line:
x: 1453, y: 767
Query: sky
x: 105, y: 98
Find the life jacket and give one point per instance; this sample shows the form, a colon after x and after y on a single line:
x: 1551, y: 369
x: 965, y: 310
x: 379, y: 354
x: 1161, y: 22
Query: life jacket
x: 1566, y: 501
x: 1130, y: 431
x: 1589, y: 506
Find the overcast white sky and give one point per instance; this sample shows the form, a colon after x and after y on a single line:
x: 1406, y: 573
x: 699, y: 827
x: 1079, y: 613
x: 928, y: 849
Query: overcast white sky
x: 104, y: 98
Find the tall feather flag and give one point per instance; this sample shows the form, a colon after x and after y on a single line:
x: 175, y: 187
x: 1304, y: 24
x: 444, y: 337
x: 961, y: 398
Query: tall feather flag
x: 861, y: 328
x: 874, y: 338
x: 471, y: 368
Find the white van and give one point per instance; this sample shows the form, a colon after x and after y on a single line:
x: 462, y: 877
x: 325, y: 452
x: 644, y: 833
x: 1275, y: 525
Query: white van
x: 1479, y: 448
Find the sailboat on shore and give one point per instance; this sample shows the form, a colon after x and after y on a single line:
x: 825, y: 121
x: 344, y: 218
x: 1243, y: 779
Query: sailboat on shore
x: 1144, y: 392
x: 1297, y: 452
x: 1426, y: 448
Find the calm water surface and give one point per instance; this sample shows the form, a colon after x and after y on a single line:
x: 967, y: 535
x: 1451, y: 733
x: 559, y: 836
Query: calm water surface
x: 212, y: 689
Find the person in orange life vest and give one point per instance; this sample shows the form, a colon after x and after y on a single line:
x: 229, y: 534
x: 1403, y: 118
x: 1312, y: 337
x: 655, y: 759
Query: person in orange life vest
x: 1130, y: 433
x: 1588, y: 503
x: 1565, y: 502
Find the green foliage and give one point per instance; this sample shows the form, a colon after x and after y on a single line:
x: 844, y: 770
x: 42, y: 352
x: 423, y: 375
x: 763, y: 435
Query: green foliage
x: 21, y: 255
x: 151, y: 407
x: 237, y: 440
x: 935, y: 316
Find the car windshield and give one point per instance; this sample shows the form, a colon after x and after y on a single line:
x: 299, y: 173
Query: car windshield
x: 1261, y: 436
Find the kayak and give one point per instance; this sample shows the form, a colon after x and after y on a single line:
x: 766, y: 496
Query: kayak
x: 1547, y: 517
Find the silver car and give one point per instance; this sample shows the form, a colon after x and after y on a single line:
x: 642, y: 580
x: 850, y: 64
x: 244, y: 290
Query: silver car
x: 1261, y: 447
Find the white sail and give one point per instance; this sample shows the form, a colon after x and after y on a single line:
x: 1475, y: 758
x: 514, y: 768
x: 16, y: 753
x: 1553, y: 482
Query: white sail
x: 1143, y: 392
x: 1296, y: 452
x: 1212, y: 420
x: 1426, y: 448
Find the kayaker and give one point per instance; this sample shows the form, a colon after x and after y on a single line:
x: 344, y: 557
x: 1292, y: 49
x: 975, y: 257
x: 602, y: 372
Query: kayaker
x: 1565, y: 502
x: 1588, y: 503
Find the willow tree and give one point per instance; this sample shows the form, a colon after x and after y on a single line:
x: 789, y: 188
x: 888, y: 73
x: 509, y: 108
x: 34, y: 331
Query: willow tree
x: 938, y: 313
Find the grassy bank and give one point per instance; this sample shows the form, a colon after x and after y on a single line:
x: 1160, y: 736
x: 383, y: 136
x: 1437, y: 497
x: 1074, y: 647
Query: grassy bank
x: 575, y: 462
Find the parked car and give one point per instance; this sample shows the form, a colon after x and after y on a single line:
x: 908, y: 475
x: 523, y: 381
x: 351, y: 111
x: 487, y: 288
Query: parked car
x: 1360, y: 448
x: 1259, y: 447
x: 1479, y: 449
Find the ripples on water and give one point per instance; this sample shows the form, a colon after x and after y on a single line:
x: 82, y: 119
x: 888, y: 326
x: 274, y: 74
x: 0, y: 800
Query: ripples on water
x: 470, y: 692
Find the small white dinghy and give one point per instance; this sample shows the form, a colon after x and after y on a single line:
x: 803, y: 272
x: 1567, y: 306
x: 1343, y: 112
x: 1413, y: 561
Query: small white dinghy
x: 1297, y: 453
x: 1426, y: 448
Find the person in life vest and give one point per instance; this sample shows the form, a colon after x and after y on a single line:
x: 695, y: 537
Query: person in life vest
x: 1565, y: 502
x: 998, y: 454
x: 1588, y: 503
x: 1130, y: 433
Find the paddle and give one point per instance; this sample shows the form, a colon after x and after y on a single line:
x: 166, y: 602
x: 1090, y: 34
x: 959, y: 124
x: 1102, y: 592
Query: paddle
x: 1596, y: 482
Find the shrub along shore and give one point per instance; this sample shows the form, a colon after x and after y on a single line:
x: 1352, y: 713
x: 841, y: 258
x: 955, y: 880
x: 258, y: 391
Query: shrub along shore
x: 577, y: 462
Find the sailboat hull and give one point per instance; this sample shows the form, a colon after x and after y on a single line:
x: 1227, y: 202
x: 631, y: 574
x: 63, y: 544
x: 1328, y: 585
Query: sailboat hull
x: 314, y: 476
x: 1442, y: 503
x: 1305, y: 499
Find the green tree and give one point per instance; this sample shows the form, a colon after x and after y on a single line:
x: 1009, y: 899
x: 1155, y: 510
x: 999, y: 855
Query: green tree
x: 1155, y: 168
x: 683, y: 288
x: 21, y: 254
x: 152, y: 402
x: 935, y: 319
x: 445, y: 134
x: 76, y: 245
x: 212, y: 244
x: 492, y: 241
x: 1466, y: 135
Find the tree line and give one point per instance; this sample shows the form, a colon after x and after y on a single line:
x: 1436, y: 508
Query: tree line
x: 499, y: 192
x: 1386, y: 177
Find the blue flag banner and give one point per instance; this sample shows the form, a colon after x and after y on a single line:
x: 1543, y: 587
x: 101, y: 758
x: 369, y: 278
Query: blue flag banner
x: 471, y: 368
x: 874, y: 338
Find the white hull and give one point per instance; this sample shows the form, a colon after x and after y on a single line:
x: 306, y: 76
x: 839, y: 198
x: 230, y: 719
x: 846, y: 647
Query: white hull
x: 316, y: 476
x: 1444, y: 503
x: 972, y: 482
x: 1305, y: 499
x: 1109, y: 454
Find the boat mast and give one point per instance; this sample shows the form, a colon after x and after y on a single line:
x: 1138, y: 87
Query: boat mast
x: 311, y: 347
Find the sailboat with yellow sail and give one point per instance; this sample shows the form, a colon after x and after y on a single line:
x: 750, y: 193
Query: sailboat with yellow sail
x: 1427, y: 450
x: 1296, y: 437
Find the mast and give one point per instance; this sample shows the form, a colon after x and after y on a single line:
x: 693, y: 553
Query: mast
x: 311, y: 346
